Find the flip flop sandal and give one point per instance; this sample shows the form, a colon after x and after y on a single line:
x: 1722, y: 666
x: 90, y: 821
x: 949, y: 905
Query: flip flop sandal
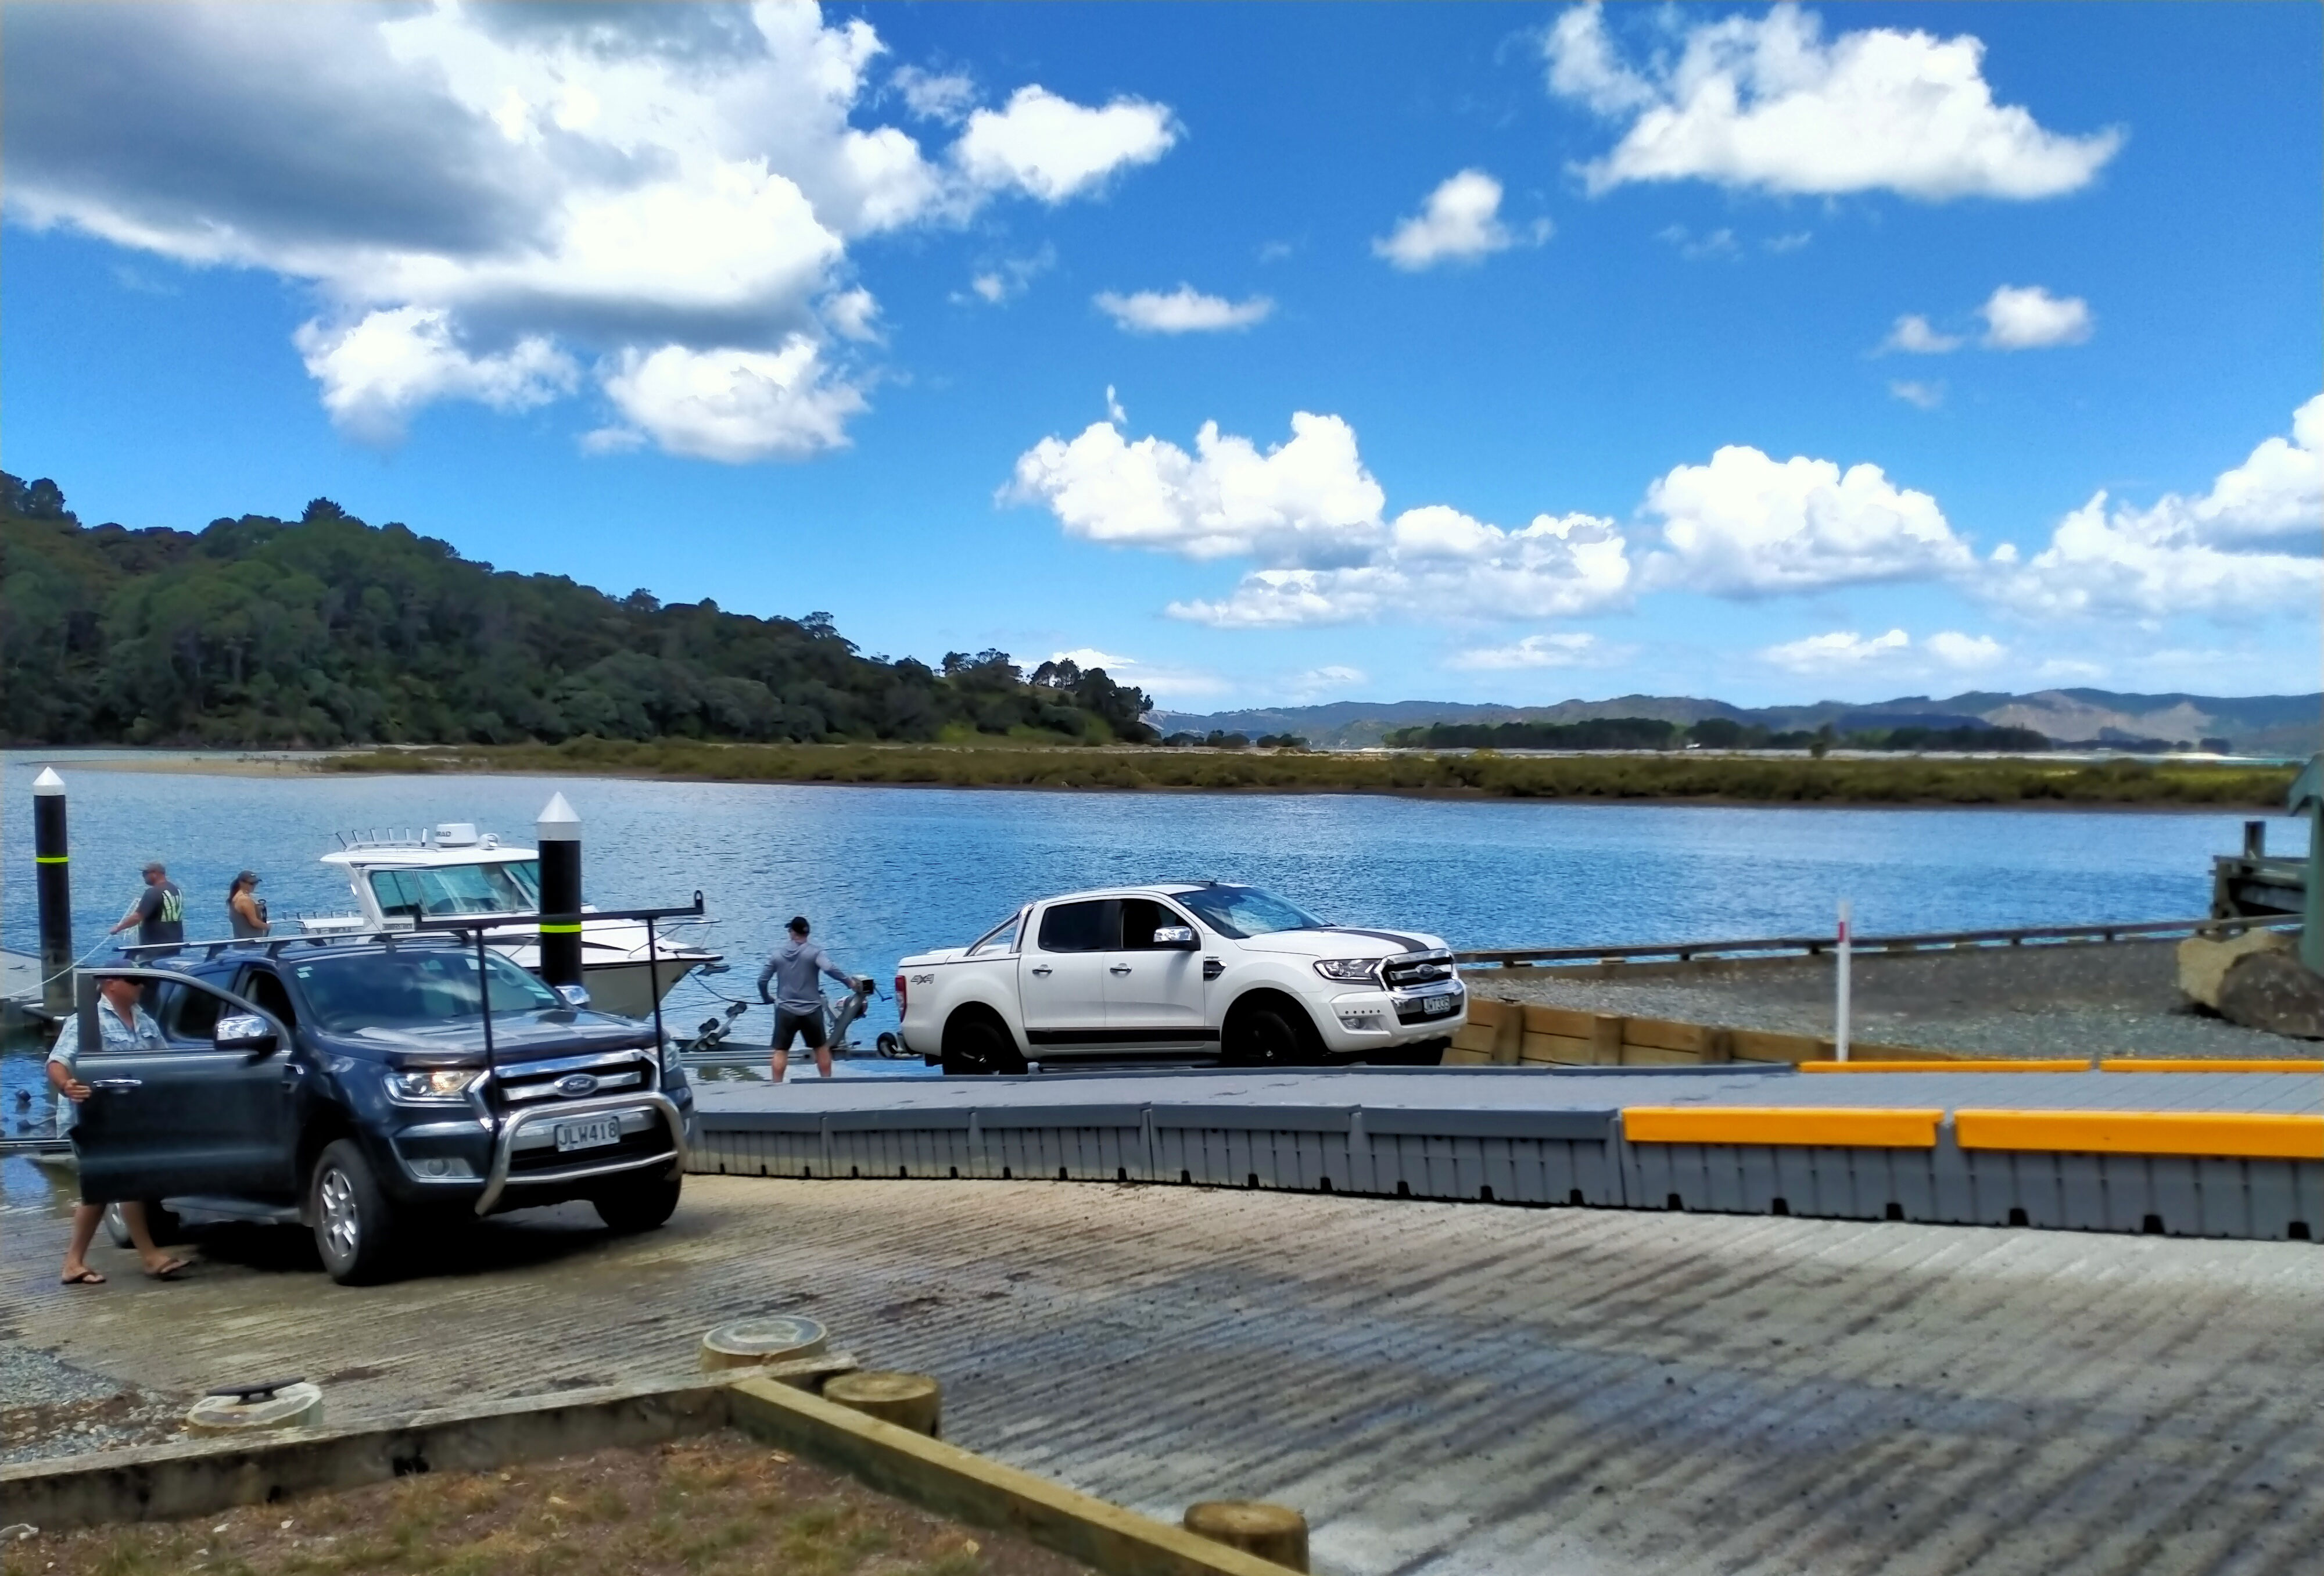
x: 172, y: 1270
x: 87, y: 1278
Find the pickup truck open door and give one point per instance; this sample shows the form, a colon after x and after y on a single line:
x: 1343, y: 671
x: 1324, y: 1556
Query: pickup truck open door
x: 195, y: 1118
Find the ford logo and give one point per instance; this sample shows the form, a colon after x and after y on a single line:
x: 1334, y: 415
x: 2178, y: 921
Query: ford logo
x: 573, y: 1085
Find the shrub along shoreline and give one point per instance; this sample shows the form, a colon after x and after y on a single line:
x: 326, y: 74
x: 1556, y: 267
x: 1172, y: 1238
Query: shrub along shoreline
x: 1690, y: 777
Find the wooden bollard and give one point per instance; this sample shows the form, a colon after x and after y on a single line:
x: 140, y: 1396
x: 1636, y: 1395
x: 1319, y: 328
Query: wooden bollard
x: 913, y: 1401
x: 748, y: 1342
x: 297, y: 1404
x: 1271, y: 1532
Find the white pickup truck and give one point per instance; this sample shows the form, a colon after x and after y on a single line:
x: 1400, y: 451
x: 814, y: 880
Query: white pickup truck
x: 1179, y: 969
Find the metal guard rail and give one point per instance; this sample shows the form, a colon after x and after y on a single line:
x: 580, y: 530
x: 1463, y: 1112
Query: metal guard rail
x: 1814, y: 945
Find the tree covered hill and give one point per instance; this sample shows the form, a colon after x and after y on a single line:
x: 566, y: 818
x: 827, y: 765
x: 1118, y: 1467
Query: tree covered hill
x: 326, y: 631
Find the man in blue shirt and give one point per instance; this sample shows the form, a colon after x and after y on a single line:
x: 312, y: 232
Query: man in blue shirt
x: 122, y: 1025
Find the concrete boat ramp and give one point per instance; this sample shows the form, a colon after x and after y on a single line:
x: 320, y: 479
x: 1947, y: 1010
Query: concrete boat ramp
x: 2232, y: 1154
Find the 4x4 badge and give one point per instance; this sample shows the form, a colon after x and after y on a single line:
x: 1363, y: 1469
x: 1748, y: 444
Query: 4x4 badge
x: 575, y: 1084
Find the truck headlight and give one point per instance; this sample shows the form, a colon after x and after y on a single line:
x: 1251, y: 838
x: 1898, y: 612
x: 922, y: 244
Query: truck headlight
x: 671, y: 1066
x: 1348, y: 969
x: 434, y: 1083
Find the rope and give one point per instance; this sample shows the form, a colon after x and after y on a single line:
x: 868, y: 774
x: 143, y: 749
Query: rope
x: 77, y: 963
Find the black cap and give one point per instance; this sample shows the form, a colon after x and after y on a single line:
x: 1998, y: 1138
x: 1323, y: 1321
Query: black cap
x: 798, y: 925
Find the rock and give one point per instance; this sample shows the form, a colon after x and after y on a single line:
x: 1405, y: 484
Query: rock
x: 2204, y: 960
x: 2273, y: 990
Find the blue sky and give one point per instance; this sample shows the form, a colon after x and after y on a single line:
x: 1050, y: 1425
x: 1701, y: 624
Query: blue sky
x: 1542, y: 352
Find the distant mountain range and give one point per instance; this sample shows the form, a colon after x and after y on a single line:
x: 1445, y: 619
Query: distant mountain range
x: 2260, y: 725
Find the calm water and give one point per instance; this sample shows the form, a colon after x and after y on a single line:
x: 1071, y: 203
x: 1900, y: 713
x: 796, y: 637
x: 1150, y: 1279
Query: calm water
x: 883, y: 871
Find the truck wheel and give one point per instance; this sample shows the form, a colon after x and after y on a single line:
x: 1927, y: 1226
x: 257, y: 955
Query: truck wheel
x: 976, y: 1044
x: 354, y: 1225
x: 641, y: 1206
x: 164, y: 1225
x: 1268, y: 1034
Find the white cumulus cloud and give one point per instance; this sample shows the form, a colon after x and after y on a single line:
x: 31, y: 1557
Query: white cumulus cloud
x: 1053, y: 149
x: 2279, y: 490
x: 1568, y: 649
x: 1184, y: 310
x: 1921, y: 396
x: 2248, y: 547
x: 485, y: 196
x: 1461, y: 223
x: 731, y: 405
x: 1440, y: 563
x: 1308, y: 499
x: 1965, y: 652
x: 1913, y: 335
x: 1847, y: 651
x: 377, y: 372
x: 1841, y: 652
x: 2032, y: 319
x: 1769, y: 103
x: 937, y: 96
x: 1746, y: 525
x: 1310, y: 513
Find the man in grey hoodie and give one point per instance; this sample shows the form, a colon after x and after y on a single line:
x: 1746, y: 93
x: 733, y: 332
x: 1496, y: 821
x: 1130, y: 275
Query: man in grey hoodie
x: 798, y: 997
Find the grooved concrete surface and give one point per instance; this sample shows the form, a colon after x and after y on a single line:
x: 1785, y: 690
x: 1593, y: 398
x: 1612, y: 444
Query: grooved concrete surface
x: 1442, y: 1388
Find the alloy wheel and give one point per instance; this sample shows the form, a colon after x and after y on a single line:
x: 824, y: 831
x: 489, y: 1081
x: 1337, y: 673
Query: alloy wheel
x: 341, y: 1223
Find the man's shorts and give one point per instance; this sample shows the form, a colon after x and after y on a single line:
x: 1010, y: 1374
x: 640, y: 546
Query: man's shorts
x: 807, y: 1025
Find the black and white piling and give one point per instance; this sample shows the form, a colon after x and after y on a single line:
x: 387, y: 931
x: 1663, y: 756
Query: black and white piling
x: 53, y: 865
x: 559, y: 830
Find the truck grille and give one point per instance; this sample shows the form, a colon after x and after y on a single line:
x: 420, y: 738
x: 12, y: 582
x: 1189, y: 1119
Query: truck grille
x: 1406, y: 969
x: 520, y: 1084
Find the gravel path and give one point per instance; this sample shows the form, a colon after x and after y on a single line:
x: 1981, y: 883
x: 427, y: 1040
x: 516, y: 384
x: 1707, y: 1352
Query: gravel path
x: 50, y: 1407
x: 2117, y: 999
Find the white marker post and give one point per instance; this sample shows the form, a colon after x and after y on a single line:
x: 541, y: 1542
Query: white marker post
x: 1840, y: 1015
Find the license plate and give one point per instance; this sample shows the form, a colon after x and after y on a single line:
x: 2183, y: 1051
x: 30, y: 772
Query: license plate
x: 1436, y: 1005
x: 588, y: 1134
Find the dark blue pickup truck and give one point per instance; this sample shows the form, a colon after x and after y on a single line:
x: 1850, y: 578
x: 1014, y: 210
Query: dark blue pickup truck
x: 361, y: 1087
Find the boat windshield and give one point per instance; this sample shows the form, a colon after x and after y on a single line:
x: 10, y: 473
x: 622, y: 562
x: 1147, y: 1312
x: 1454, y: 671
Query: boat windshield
x: 508, y: 885
x: 1239, y: 913
x: 411, y: 989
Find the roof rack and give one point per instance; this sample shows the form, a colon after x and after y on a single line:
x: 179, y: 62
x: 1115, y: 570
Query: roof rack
x: 165, y: 954
x: 477, y: 925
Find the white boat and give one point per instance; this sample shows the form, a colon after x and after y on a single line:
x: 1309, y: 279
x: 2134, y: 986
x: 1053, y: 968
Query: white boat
x: 451, y: 871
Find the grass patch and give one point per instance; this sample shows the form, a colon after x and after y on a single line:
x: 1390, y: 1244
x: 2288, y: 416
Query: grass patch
x: 1714, y: 779
x: 720, y: 1506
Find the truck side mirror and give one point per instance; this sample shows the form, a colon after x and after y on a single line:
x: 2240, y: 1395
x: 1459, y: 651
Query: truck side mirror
x: 1178, y: 938
x: 244, y: 1031
x: 574, y: 996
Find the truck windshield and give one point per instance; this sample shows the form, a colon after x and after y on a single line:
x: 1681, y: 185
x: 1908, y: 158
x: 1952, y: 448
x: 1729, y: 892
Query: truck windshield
x: 411, y: 989
x: 509, y: 886
x: 1239, y: 913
